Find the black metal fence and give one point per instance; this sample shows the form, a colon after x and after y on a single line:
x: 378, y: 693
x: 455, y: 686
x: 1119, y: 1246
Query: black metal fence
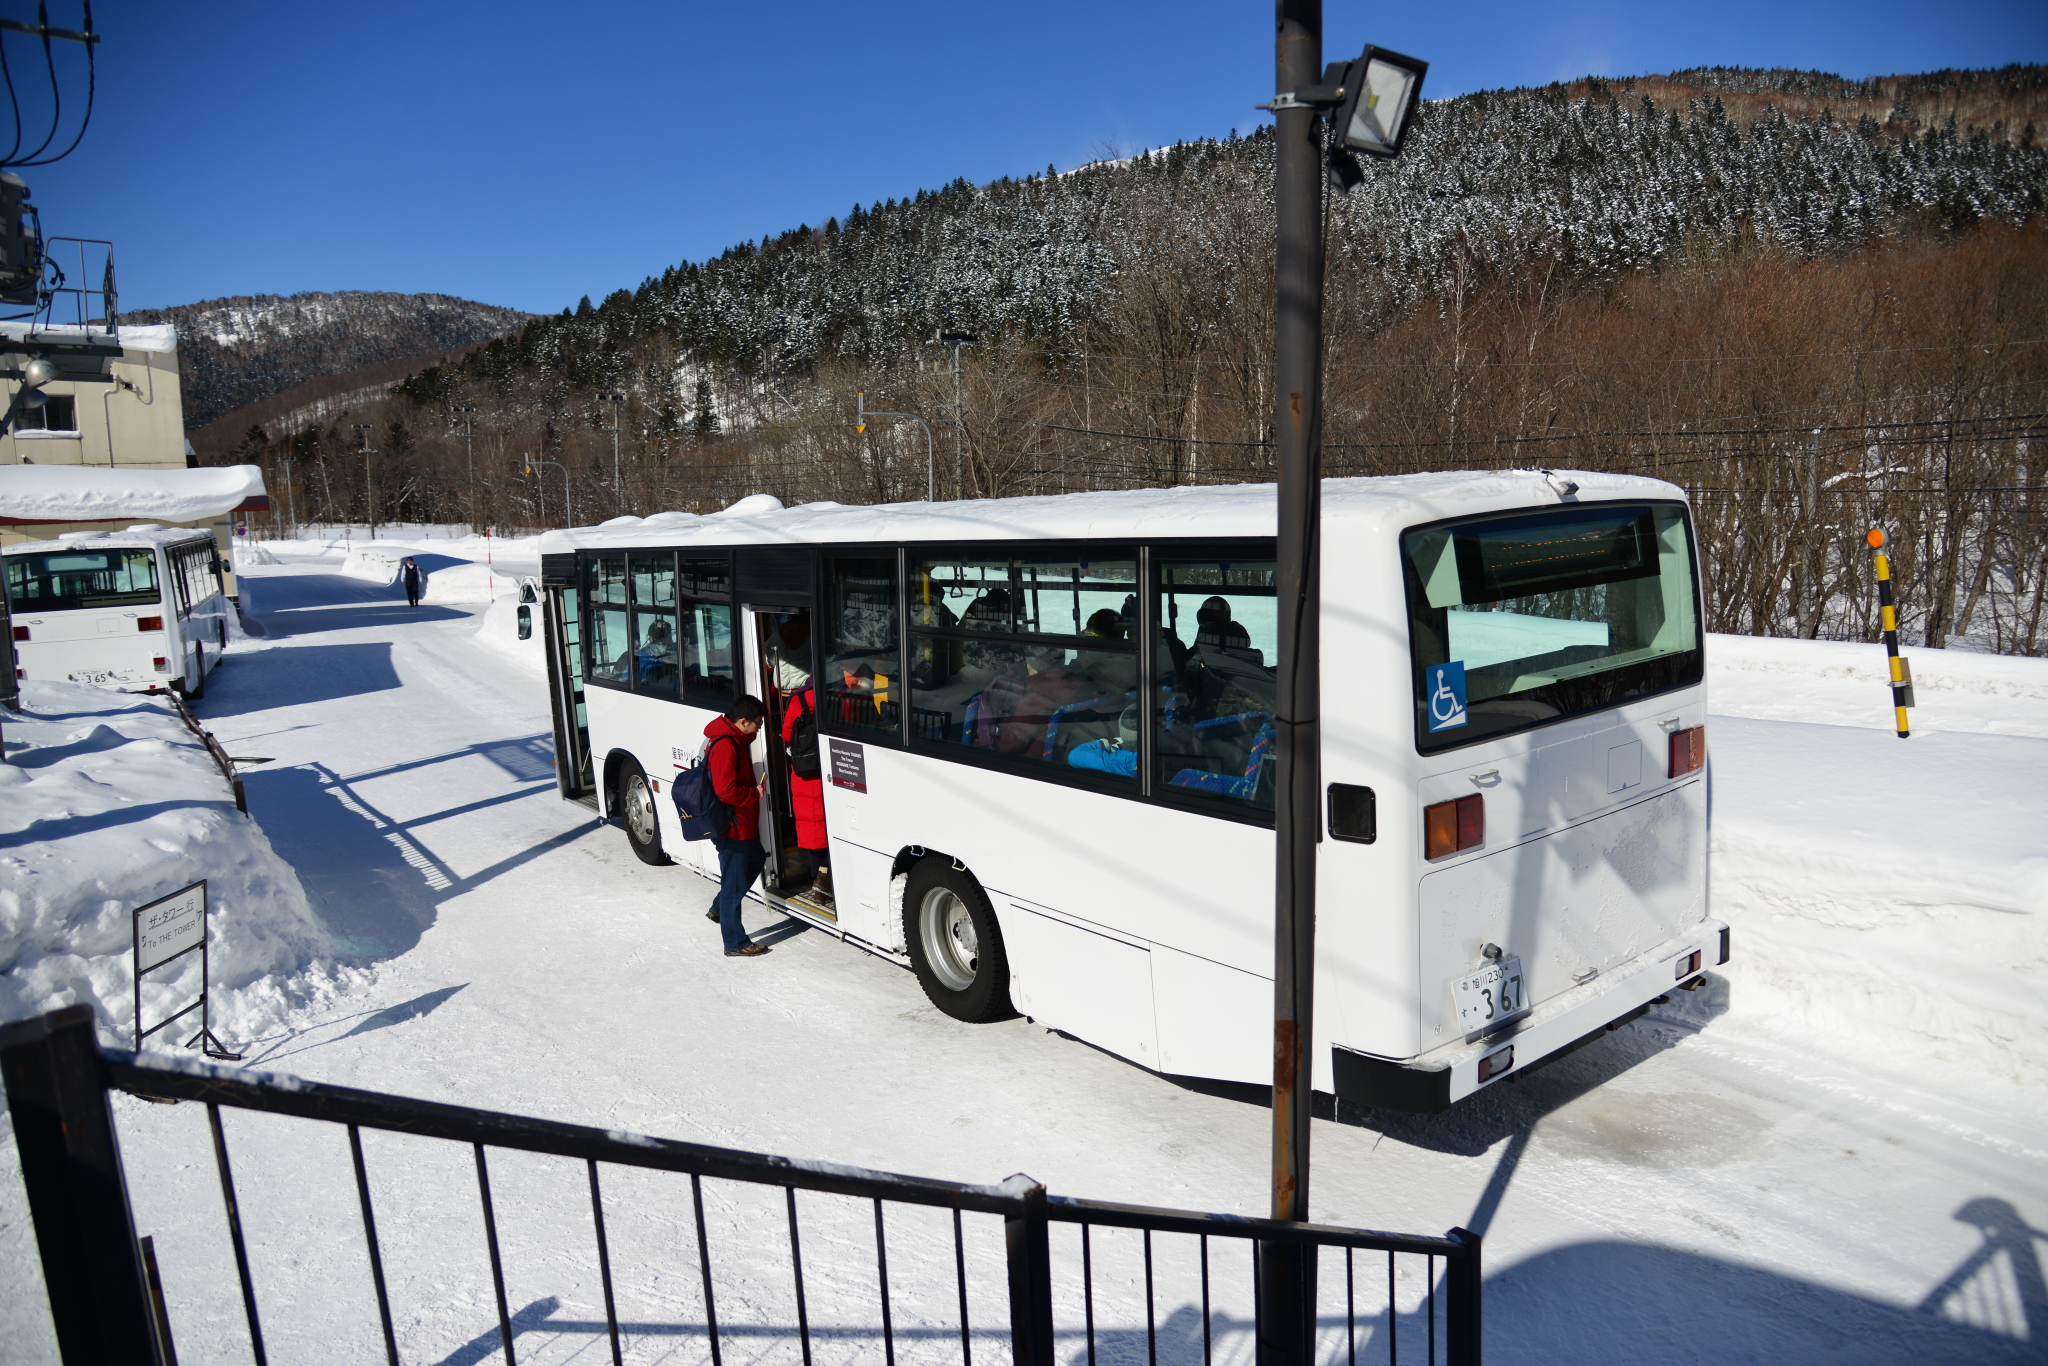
x: 107, y: 1303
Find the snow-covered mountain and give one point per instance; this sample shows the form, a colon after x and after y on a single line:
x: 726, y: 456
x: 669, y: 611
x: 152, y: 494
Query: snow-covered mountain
x: 236, y: 351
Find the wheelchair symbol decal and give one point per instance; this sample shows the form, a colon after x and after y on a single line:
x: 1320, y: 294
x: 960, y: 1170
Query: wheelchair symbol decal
x: 1446, y: 684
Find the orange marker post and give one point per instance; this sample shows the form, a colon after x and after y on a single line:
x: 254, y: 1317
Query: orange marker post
x: 1888, y: 615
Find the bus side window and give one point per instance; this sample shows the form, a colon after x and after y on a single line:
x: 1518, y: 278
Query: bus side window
x: 706, y: 625
x: 605, y: 589
x: 1214, y: 674
x: 654, y: 624
x: 862, y: 683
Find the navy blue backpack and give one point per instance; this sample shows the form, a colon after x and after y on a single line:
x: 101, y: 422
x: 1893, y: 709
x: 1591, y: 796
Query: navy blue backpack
x: 698, y: 806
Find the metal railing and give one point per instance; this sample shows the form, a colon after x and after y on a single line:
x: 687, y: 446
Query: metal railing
x: 107, y: 1303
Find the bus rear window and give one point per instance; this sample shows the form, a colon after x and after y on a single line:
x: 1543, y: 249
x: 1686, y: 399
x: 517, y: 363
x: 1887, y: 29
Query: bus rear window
x: 59, y: 580
x: 1519, y: 619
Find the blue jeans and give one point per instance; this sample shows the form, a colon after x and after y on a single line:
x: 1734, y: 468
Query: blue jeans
x: 739, y: 863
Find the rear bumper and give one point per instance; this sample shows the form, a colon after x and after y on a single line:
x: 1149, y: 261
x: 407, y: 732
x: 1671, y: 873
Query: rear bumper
x: 1434, y: 1081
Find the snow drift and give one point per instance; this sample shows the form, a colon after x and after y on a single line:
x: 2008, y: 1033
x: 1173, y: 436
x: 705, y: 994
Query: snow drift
x: 107, y: 802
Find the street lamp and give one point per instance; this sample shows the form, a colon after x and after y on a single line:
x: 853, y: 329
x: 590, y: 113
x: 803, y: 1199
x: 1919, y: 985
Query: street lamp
x: 956, y: 340
x: 1374, y: 97
x: 369, y: 493
x: 533, y: 468
x: 931, y: 468
x: 618, y: 482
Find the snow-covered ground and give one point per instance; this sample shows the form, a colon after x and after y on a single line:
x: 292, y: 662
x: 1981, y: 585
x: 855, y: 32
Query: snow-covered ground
x: 1834, y: 1153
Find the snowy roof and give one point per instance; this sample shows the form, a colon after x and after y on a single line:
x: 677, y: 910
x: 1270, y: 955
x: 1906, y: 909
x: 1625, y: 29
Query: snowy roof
x: 160, y: 337
x: 31, y: 494
x: 1214, y: 510
x: 143, y: 533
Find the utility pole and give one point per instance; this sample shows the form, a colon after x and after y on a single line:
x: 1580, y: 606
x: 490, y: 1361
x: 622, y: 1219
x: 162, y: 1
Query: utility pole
x: 618, y: 480
x: 533, y: 468
x: 369, y: 492
x: 956, y: 340
x: 1810, y: 566
x: 466, y: 415
x: 1287, y: 1271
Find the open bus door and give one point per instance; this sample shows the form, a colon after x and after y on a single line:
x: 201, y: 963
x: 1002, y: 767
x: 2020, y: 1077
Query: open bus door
x: 573, y: 773
x: 788, y: 871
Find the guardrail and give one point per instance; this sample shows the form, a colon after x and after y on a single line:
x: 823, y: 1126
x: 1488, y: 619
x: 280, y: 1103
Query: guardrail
x: 106, y: 1298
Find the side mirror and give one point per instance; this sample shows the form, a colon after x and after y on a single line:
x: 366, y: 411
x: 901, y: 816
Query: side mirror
x: 525, y: 622
x: 526, y: 592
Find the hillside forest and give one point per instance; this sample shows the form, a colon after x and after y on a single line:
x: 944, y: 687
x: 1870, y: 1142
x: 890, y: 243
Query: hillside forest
x: 1817, y: 304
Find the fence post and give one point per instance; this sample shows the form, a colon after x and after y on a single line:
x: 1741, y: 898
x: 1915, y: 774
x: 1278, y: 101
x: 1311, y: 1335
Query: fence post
x: 77, y: 1193
x: 1026, y: 1232
x: 1461, y: 1338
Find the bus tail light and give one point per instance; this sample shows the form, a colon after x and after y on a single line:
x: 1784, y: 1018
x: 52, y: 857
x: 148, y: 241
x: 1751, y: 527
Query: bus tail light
x: 157, y: 624
x: 1688, y: 751
x: 21, y: 633
x: 1449, y: 827
x: 1687, y: 966
x: 163, y: 666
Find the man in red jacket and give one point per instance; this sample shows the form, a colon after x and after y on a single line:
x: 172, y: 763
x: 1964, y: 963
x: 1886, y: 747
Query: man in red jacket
x: 741, y: 858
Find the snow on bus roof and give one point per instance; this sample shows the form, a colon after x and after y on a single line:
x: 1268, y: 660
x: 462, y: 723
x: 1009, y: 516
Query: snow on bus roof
x: 144, y: 533
x: 1205, y: 510
x: 76, y: 493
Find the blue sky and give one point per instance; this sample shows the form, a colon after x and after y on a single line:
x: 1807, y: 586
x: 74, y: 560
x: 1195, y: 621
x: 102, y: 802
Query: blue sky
x: 526, y: 154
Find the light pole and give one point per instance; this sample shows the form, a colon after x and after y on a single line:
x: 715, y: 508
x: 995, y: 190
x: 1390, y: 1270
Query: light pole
x: 533, y: 468
x: 956, y: 340
x: 466, y: 415
x: 618, y: 480
x: 369, y: 493
x: 931, y: 468
x: 1372, y: 99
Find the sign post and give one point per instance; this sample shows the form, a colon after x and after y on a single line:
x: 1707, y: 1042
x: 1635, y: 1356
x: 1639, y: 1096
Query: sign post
x: 166, y: 930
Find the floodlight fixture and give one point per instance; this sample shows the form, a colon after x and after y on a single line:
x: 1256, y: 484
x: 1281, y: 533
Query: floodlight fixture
x: 1381, y: 90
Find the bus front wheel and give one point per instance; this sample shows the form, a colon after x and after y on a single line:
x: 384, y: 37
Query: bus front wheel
x: 637, y: 813
x: 955, y: 945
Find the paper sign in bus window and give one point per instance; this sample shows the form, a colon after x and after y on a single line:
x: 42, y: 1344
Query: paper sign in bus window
x: 1445, y: 686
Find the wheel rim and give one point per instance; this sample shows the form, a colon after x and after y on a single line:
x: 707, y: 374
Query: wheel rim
x: 639, y: 811
x: 950, y: 946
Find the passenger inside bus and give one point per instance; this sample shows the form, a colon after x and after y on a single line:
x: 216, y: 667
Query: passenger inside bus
x: 791, y: 654
x: 654, y: 663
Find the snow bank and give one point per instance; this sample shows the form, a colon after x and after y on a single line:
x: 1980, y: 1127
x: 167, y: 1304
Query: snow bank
x: 468, y: 583
x: 74, y: 493
x: 378, y: 565
x: 108, y: 802
x: 1889, y: 897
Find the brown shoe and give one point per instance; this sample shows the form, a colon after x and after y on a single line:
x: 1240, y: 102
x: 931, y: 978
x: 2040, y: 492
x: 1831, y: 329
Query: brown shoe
x: 747, y: 951
x: 712, y: 916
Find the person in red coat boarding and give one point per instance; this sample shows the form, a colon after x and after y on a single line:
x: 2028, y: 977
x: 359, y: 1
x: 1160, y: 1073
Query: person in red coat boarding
x: 727, y: 742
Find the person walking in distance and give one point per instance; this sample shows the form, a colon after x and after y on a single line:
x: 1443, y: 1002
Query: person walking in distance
x: 414, y: 578
x: 727, y: 742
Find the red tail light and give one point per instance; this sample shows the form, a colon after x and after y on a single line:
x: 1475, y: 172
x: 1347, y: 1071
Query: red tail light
x: 21, y: 633
x: 162, y: 664
x: 1449, y: 827
x: 1688, y: 751
x: 149, y: 623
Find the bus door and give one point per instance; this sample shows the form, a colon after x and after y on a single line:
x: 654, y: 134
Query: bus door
x: 565, y: 688
x: 780, y: 669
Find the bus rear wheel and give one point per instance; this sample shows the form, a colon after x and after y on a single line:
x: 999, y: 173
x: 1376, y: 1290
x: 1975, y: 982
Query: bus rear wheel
x: 636, y: 810
x: 955, y: 945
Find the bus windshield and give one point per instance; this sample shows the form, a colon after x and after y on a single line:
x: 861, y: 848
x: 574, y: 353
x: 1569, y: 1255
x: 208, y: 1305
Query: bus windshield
x: 58, y: 580
x: 1520, y: 619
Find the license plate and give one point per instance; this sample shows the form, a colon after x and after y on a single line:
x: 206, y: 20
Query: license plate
x: 1486, y: 997
x: 92, y: 676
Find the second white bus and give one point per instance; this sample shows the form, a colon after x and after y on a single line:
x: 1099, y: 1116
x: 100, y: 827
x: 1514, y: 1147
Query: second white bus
x: 1046, y: 738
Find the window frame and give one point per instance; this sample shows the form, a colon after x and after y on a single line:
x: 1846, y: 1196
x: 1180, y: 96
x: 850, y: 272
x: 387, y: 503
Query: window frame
x: 686, y: 598
x: 1421, y: 733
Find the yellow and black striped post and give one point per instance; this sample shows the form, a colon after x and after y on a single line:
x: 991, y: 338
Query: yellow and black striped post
x: 1888, y: 615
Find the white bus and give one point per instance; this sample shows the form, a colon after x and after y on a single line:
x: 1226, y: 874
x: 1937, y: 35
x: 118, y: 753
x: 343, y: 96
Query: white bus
x: 136, y: 609
x: 1047, y: 728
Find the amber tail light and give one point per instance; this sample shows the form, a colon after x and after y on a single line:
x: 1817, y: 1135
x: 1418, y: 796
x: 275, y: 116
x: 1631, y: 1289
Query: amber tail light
x: 1449, y: 827
x: 1688, y: 751
x: 149, y: 623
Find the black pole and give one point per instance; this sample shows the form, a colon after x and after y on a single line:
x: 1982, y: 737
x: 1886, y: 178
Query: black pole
x: 1287, y: 1271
